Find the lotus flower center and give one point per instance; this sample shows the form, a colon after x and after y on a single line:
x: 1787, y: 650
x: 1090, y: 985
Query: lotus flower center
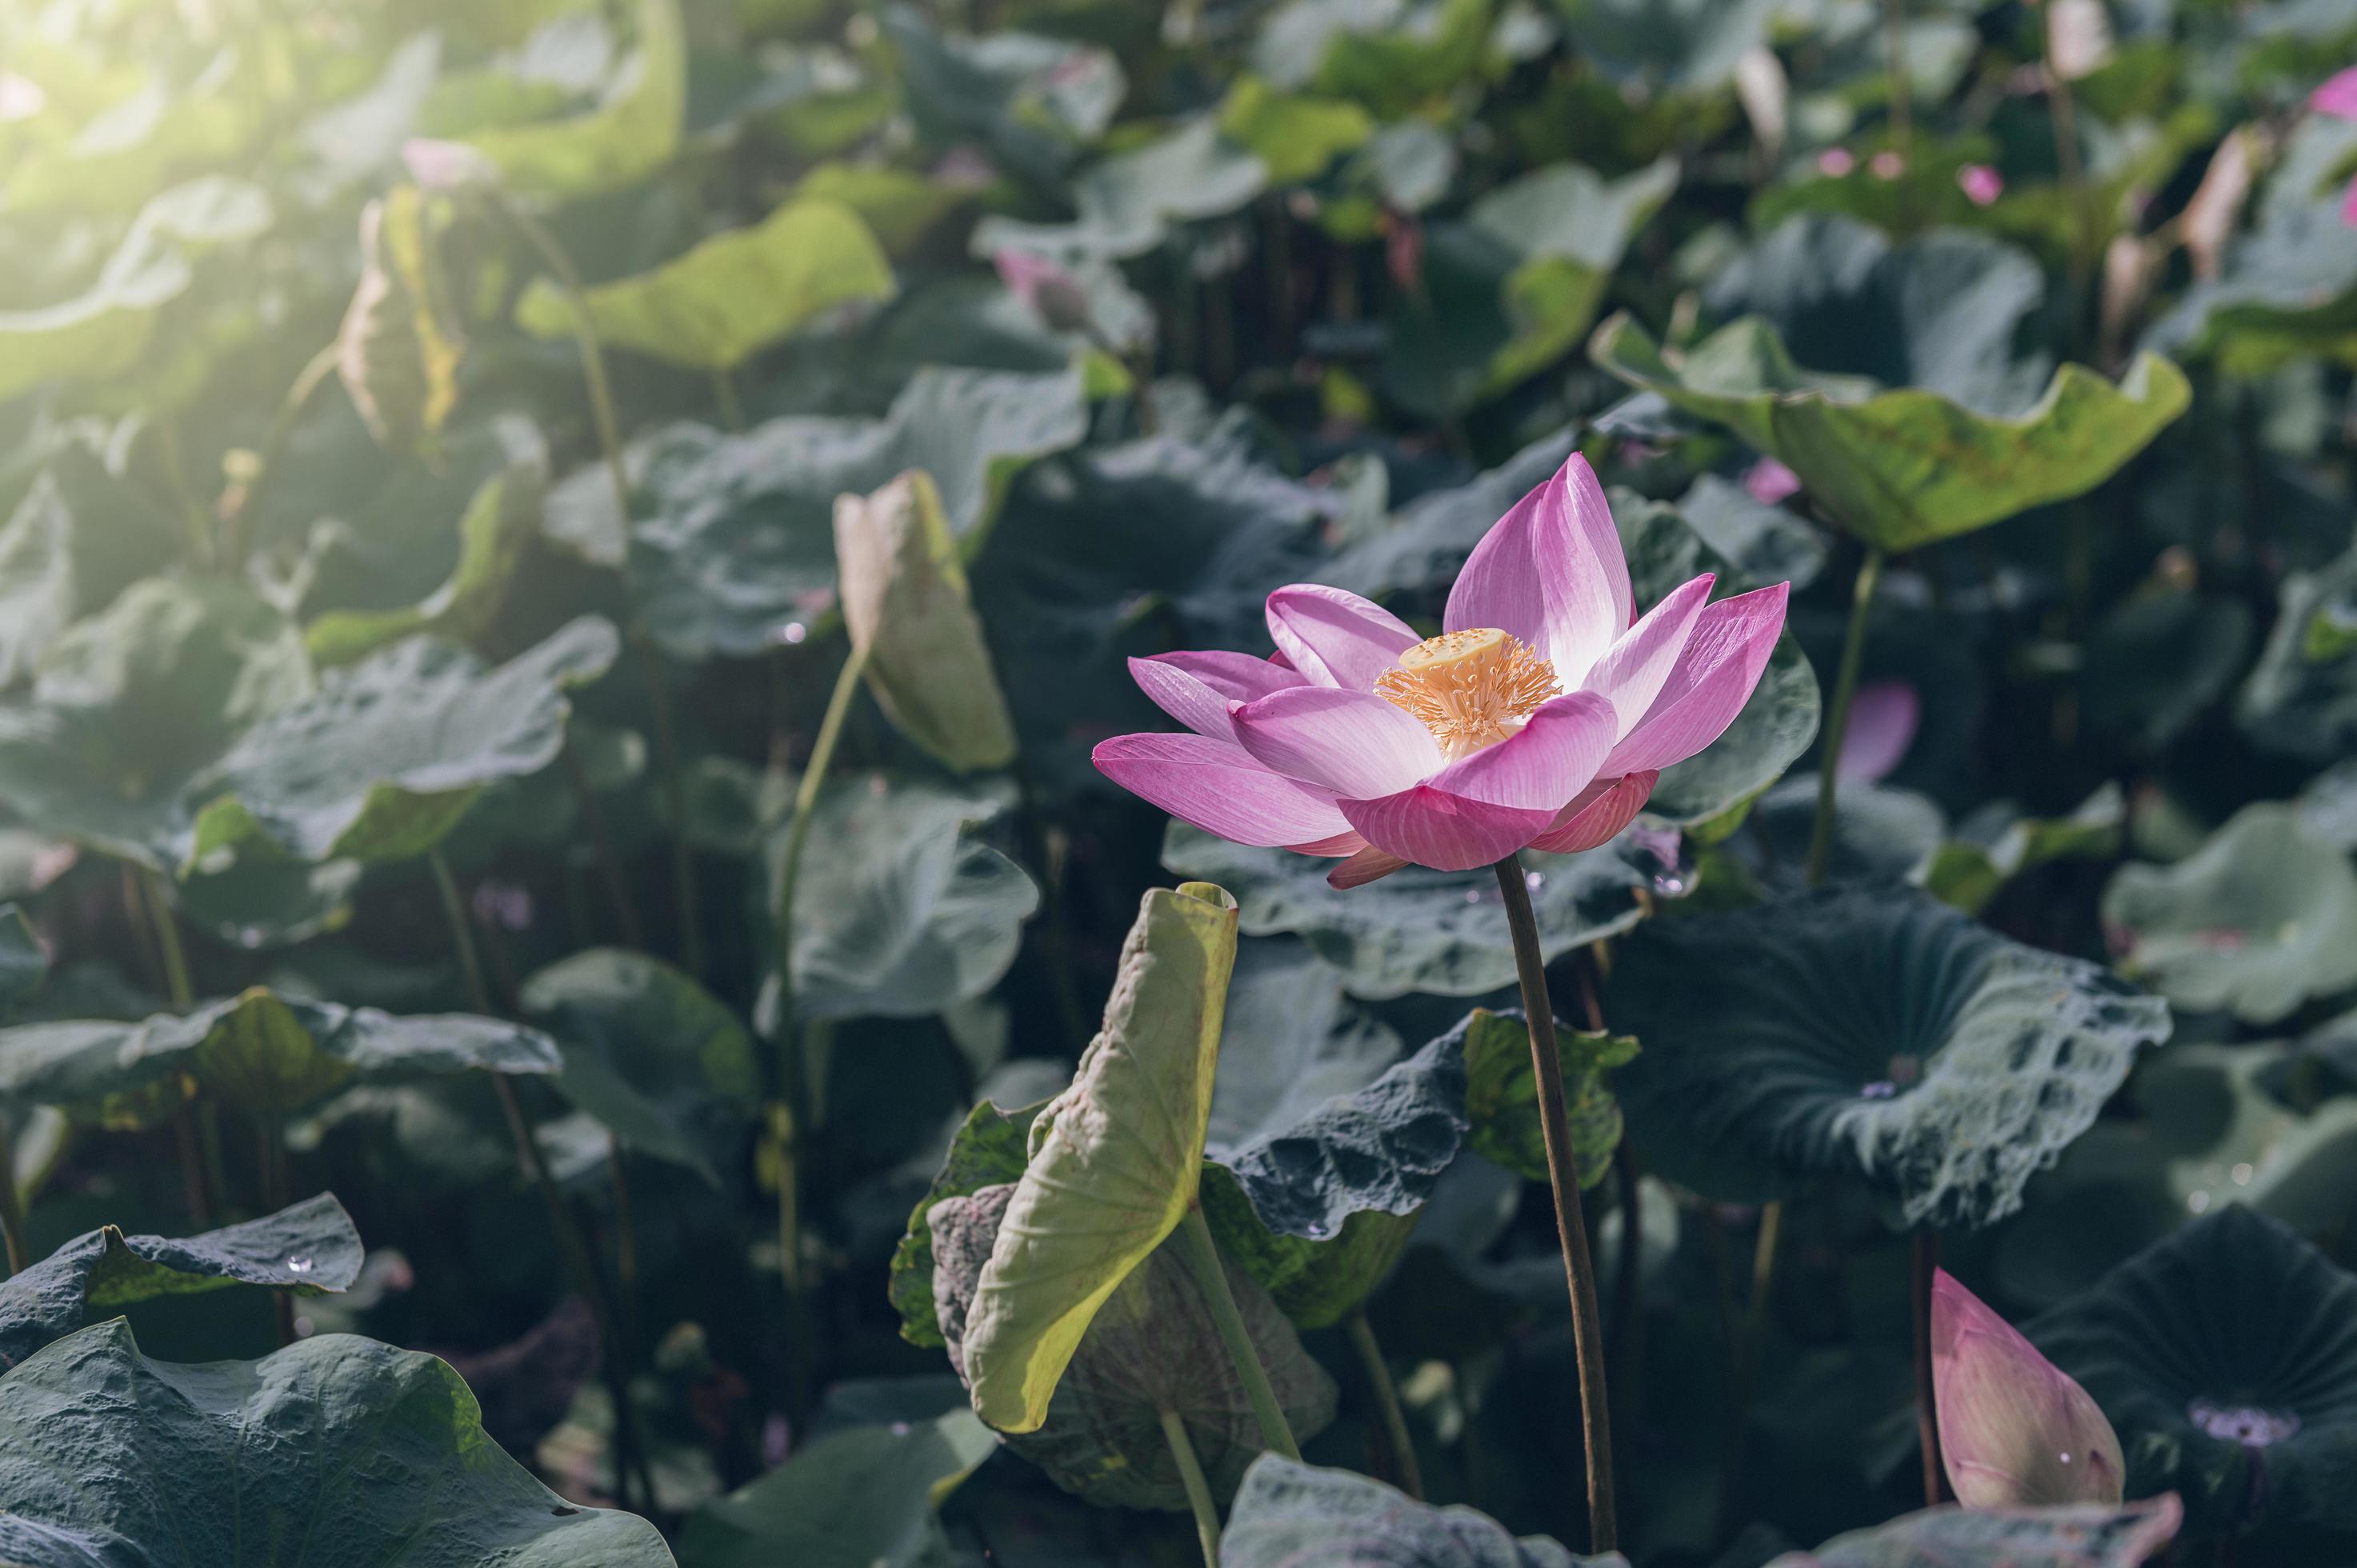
x: 1471, y: 688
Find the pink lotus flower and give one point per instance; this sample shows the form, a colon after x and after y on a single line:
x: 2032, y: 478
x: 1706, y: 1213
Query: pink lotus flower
x: 2015, y: 1430
x: 1981, y: 183
x: 1769, y: 481
x: 1539, y: 719
x: 1835, y: 162
x: 1882, y: 720
x: 1051, y: 291
x: 2338, y: 98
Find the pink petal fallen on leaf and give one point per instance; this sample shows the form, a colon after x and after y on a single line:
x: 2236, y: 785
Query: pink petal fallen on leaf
x: 2015, y: 1430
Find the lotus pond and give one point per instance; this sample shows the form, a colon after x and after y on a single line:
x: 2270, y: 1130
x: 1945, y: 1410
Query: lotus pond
x: 1407, y: 783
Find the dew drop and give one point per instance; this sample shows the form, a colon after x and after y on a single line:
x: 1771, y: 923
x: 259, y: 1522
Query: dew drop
x: 2197, y: 1201
x: 1881, y: 1088
x: 298, y: 1265
x: 1533, y: 880
x: 2241, y: 1175
x: 1473, y: 895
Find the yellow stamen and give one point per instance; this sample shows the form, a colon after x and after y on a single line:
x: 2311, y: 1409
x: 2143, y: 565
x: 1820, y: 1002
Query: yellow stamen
x: 1472, y: 689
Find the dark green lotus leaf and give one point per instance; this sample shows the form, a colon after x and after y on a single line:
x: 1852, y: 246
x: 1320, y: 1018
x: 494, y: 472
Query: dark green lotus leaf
x: 1993, y: 847
x: 2157, y: 662
x: 104, y: 330
x: 498, y: 526
x: 864, y: 1495
x: 1150, y: 1347
x: 741, y: 545
x: 1869, y: 1032
x: 2328, y: 806
x: 660, y: 1062
x: 2225, y: 1357
x: 1510, y: 288
x: 308, y: 1248
x: 1127, y: 204
x: 261, y: 1052
x: 1035, y: 102
x: 335, y: 1450
x: 1297, y: 135
x: 1761, y: 540
x: 1502, y: 1096
x: 36, y: 579
x: 132, y: 703
x: 1288, y: 1513
x: 731, y: 296
x: 382, y: 760
x: 1437, y: 931
x: 2085, y: 1535
x: 267, y: 902
x: 2260, y: 920
x: 24, y: 964
x: 629, y: 135
x: 2301, y: 696
x: 1367, y: 54
x: 1880, y: 834
x: 2288, y: 285
x: 1687, y: 44
x: 989, y: 1149
x: 1903, y: 468
x: 900, y: 911
x: 1323, y: 1144
x: 1115, y: 1161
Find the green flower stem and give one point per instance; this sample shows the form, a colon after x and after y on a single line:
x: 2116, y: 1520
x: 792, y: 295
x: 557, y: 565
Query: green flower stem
x: 168, y: 941
x: 610, y: 861
x: 1903, y: 107
x: 609, y: 444
x: 1861, y: 611
x: 1199, y: 1490
x: 1404, y: 1469
x: 1924, y: 1260
x: 1202, y: 1256
x: 628, y: 1452
x: 1571, y: 1225
x: 1744, y: 1365
x: 12, y: 1208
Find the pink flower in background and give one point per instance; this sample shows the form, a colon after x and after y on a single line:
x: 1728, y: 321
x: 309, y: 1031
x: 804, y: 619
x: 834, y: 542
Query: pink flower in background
x: 1539, y: 719
x: 1882, y: 719
x: 1888, y: 165
x: 1835, y: 162
x: 1981, y: 183
x: 1769, y: 481
x: 1051, y: 291
x: 2338, y: 98
x: 2015, y: 1430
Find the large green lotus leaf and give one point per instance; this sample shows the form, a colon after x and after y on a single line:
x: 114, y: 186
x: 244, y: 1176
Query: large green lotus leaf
x: 382, y: 760
x: 2260, y: 920
x: 899, y: 206
x: 132, y: 703
x: 900, y: 911
x: 60, y: 563
x: 1880, y: 834
x: 1437, y: 931
x: 1502, y: 1096
x: 24, y: 964
x: 1993, y: 847
x: 1868, y: 1033
x: 739, y: 549
x: 261, y: 1052
x: 1297, y: 135
x: 1512, y: 286
x: 1902, y: 468
x: 1288, y: 1513
x: 906, y: 607
x: 731, y: 296
x: 1128, y: 204
x: 1152, y: 1346
x: 628, y: 136
x: 308, y: 1248
x: 990, y: 1148
x: 36, y: 579
x: 2301, y: 696
x: 2288, y: 289
x: 1115, y: 1159
x: 2158, y: 660
x: 1687, y: 44
x: 335, y: 1450
x: 496, y: 527
x: 2225, y: 1357
x: 2083, y: 1535
x: 1323, y: 1144
x: 659, y: 1060
x: 1038, y: 103
x: 104, y: 330
x: 862, y: 1498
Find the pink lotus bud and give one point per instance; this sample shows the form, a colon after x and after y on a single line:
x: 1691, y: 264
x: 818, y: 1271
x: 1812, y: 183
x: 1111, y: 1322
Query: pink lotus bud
x: 1835, y: 162
x: 2338, y: 96
x: 1982, y: 183
x: 1882, y: 720
x: 1888, y: 165
x: 446, y: 166
x: 1769, y: 481
x: 1046, y: 288
x: 2014, y: 1430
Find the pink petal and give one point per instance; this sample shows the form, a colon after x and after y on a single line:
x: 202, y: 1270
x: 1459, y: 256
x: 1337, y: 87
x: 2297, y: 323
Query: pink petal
x: 1769, y: 481
x: 1448, y: 833
x: 1882, y: 719
x: 1551, y: 573
x: 1219, y: 789
x: 1353, y: 743
x: 1600, y: 812
x: 2015, y: 1430
x: 1198, y: 689
x: 1542, y: 765
x: 1713, y: 678
x: 1334, y: 637
x: 1632, y: 673
x: 1370, y: 865
x: 2338, y: 96
x: 1333, y: 846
